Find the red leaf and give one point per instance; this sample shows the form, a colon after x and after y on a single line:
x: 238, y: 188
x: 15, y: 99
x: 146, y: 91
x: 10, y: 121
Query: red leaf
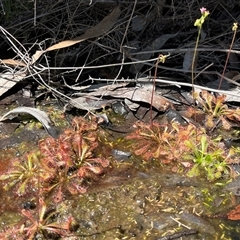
x: 234, y: 214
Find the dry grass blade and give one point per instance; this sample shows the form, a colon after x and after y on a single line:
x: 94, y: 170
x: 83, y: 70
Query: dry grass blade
x: 100, y: 29
x: 13, y: 62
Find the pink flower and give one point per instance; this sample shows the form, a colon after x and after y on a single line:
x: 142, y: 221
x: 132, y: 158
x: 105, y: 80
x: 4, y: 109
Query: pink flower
x: 203, y: 10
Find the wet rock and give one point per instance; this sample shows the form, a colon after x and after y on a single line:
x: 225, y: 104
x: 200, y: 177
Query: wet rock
x: 23, y: 136
x: 29, y: 205
x: 119, y: 108
x: 173, y: 116
x: 145, y: 207
x: 7, y: 129
x: 120, y: 155
x: 145, y: 115
x: 229, y: 142
x: 203, y: 226
x: 234, y: 186
x: 177, y: 180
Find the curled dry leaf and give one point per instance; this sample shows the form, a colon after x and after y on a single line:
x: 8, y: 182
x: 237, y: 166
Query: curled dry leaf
x: 38, y: 114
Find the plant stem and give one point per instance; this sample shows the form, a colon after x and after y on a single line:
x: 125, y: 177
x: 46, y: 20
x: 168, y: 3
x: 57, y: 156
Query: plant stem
x: 153, y: 90
x: 228, y: 55
x: 194, y: 59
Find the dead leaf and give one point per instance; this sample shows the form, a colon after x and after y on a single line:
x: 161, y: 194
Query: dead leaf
x: 13, y: 62
x: 155, y: 45
x: 140, y: 22
x: 89, y: 103
x: 133, y: 94
x: 188, y: 59
x: 8, y: 80
x: 233, y: 57
x: 131, y: 105
x: 100, y: 29
x: 228, y: 82
x: 189, y: 56
x: 38, y: 114
x: 234, y: 214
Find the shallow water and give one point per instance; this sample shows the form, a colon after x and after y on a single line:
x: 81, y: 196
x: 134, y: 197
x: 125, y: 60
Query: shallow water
x: 133, y: 200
